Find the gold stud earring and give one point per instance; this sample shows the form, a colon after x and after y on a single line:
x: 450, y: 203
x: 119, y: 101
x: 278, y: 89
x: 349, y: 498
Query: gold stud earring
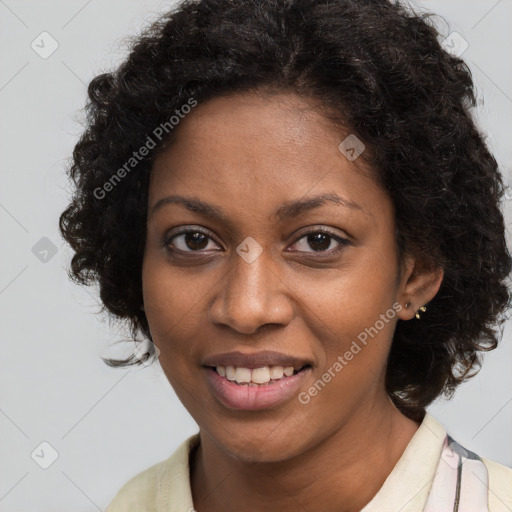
x: 422, y: 309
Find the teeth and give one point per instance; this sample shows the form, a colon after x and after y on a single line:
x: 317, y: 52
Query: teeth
x: 288, y: 371
x: 243, y: 375
x: 256, y: 376
x: 261, y: 375
x: 230, y: 372
x: 276, y: 372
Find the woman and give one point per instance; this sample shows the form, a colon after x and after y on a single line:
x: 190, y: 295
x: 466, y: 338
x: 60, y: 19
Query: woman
x: 290, y: 201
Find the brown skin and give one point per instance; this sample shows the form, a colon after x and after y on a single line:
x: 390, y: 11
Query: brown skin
x: 247, y: 155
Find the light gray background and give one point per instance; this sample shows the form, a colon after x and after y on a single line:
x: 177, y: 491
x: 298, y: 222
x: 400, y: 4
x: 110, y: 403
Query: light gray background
x: 109, y: 424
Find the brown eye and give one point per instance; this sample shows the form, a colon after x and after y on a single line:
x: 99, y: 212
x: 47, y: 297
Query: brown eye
x: 321, y: 241
x: 190, y: 240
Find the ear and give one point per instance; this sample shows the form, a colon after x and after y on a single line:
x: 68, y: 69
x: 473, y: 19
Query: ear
x: 419, y: 283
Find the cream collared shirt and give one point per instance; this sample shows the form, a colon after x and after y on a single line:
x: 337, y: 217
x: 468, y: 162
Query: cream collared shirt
x: 425, y: 479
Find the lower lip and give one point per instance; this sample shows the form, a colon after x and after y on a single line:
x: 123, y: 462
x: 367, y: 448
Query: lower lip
x: 253, y: 398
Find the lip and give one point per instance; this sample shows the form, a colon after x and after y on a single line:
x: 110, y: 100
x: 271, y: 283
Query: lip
x: 256, y: 360
x: 252, y: 398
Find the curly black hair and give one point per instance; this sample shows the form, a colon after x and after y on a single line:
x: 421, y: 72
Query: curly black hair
x: 377, y: 67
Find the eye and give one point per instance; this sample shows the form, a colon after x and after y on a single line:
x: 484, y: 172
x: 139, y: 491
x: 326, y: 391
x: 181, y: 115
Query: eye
x: 189, y: 240
x: 320, y: 240
x: 196, y: 240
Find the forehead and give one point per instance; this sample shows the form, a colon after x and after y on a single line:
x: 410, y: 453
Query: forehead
x: 258, y: 151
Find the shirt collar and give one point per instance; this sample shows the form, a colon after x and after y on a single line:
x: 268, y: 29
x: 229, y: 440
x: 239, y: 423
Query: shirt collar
x: 406, y: 488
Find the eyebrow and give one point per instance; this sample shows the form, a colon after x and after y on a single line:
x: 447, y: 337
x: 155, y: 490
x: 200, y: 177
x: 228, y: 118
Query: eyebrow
x: 286, y: 211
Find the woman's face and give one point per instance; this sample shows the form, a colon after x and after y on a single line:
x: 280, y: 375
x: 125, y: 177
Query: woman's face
x: 254, y: 280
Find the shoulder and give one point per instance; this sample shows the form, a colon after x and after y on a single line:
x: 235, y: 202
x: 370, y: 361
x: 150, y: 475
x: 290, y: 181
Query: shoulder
x: 138, y: 494
x: 467, y: 477
x: 500, y: 486
x: 153, y: 489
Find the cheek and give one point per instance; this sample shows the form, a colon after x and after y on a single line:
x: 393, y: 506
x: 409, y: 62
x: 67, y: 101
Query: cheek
x: 175, y: 309
x: 360, y: 339
x: 369, y: 286
x: 354, y: 355
x: 356, y: 296
x: 359, y: 311
x: 165, y: 299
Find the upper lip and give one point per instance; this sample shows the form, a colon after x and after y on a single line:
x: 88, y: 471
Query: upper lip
x: 255, y: 360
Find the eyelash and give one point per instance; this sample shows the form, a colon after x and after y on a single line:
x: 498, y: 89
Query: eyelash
x: 342, y: 241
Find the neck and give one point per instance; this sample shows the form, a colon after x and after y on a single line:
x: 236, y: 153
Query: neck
x: 342, y: 473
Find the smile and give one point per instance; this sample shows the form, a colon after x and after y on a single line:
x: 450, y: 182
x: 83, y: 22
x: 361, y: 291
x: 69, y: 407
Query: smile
x: 238, y: 387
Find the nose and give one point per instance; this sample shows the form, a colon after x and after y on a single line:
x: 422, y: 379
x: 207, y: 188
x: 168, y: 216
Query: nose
x: 252, y: 295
